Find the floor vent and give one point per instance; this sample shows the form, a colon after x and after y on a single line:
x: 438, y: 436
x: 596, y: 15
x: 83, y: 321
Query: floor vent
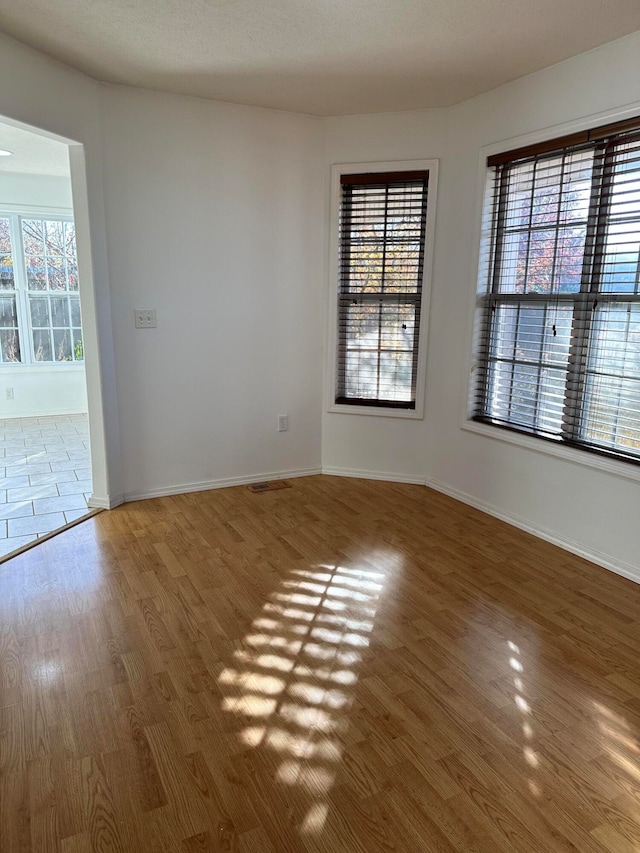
x: 257, y: 488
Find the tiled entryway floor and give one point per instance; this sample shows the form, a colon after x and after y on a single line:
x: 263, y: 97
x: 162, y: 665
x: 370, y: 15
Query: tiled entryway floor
x: 45, y: 476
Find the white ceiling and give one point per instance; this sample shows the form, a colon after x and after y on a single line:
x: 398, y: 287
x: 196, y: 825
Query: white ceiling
x: 326, y: 57
x: 32, y: 154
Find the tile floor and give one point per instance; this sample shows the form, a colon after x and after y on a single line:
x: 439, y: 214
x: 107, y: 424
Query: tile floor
x: 45, y: 476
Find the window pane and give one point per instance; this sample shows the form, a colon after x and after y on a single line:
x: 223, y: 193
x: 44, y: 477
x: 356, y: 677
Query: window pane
x: 72, y: 274
x: 365, y: 268
x: 7, y: 281
x: 40, y: 318
x: 50, y: 251
x: 402, y: 268
x: 361, y: 375
x: 78, y: 345
x: 8, y: 315
x: 70, y: 240
x: 33, y: 237
x: 9, y: 345
x: 62, y: 345
x: 379, y: 341
x: 59, y: 311
x: 5, y: 237
x: 612, y: 394
x: 528, y: 365
x: 75, y: 311
x: 621, y: 267
x: 36, y: 273
x: 54, y: 238
x: 541, y: 244
x: 6, y: 258
x: 42, y: 345
x: 396, y: 369
x: 56, y: 273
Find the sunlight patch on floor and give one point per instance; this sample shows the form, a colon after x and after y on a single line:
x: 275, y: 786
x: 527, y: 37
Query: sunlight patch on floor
x: 291, y: 682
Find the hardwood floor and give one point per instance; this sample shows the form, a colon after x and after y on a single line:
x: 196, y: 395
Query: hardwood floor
x: 339, y: 666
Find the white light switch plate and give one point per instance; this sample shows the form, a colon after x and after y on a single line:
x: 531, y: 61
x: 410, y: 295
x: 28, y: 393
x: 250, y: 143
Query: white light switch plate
x: 145, y: 318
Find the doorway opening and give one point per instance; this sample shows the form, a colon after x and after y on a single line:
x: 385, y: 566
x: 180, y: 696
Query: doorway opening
x: 45, y: 453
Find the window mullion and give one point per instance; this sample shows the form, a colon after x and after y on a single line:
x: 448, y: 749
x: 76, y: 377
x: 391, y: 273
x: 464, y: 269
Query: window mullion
x: 22, y: 300
x: 382, y: 285
x: 585, y: 300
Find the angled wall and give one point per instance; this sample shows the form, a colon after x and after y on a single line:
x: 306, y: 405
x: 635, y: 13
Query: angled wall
x: 558, y: 498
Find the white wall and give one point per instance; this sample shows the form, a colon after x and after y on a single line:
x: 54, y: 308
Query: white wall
x: 363, y: 444
x: 36, y: 192
x: 46, y: 95
x: 40, y: 389
x: 553, y: 496
x: 215, y: 219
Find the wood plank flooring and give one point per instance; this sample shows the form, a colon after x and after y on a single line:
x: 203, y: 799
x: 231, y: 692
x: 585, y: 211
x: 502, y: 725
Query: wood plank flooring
x: 339, y: 666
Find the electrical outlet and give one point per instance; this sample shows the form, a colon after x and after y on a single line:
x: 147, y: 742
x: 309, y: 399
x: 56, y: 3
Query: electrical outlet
x: 9, y: 393
x: 283, y: 423
x: 145, y: 318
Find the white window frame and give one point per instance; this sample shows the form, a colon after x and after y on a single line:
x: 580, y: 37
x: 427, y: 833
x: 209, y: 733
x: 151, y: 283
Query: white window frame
x: 573, y: 455
x: 15, y: 215
x: 337, y: 170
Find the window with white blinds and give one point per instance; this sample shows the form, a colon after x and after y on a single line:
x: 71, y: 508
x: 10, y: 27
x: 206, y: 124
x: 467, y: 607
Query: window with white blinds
x: 383, y: 220
x: 558, y: 332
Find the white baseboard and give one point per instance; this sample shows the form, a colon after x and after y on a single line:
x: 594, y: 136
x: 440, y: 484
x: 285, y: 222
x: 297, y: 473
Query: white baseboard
x: 372, y: 475
x: 620, y: 568
x: 105, y: 502
x: 50, y: 413
x: 207, y: 485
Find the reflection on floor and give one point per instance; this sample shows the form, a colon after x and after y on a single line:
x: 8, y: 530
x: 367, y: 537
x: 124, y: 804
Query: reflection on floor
x: 45, y: 476
x: 343, y: 666
x: 293, y: 679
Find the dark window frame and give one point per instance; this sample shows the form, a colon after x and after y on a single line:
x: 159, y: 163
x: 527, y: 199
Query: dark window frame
x: 412, y: 300
x: 605, y: 143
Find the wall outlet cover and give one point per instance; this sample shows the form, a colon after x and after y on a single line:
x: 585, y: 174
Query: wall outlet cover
x: 145, y: 318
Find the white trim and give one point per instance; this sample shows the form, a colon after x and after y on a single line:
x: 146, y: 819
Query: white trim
x: 610, y: 466
x: 376, y: 411
x: 617, y: 566
x: 104, y: 431
x: 361, y: 474
x: 617, y: 467
x: 37, y: 211
x: 207, y: 485
x: 43, y: 366
x: 563, y: 129
x: 107, y: 502
x: 387, y: 166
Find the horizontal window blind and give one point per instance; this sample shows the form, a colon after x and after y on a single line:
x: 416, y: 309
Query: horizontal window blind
x: 558, y: 331
x: 381, y: 262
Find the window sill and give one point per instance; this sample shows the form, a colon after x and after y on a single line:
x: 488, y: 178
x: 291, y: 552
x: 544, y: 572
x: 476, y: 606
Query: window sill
x: 374, y: 411
x: 569, y: 454
x: 43, y: 367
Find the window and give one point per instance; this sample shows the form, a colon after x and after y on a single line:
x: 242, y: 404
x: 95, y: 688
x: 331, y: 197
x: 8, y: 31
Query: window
x: 559, y: 303
x: 381, y: 260
x: 39, y: 301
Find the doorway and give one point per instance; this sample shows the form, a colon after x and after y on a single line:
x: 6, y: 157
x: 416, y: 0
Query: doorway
x: 45, y: 454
